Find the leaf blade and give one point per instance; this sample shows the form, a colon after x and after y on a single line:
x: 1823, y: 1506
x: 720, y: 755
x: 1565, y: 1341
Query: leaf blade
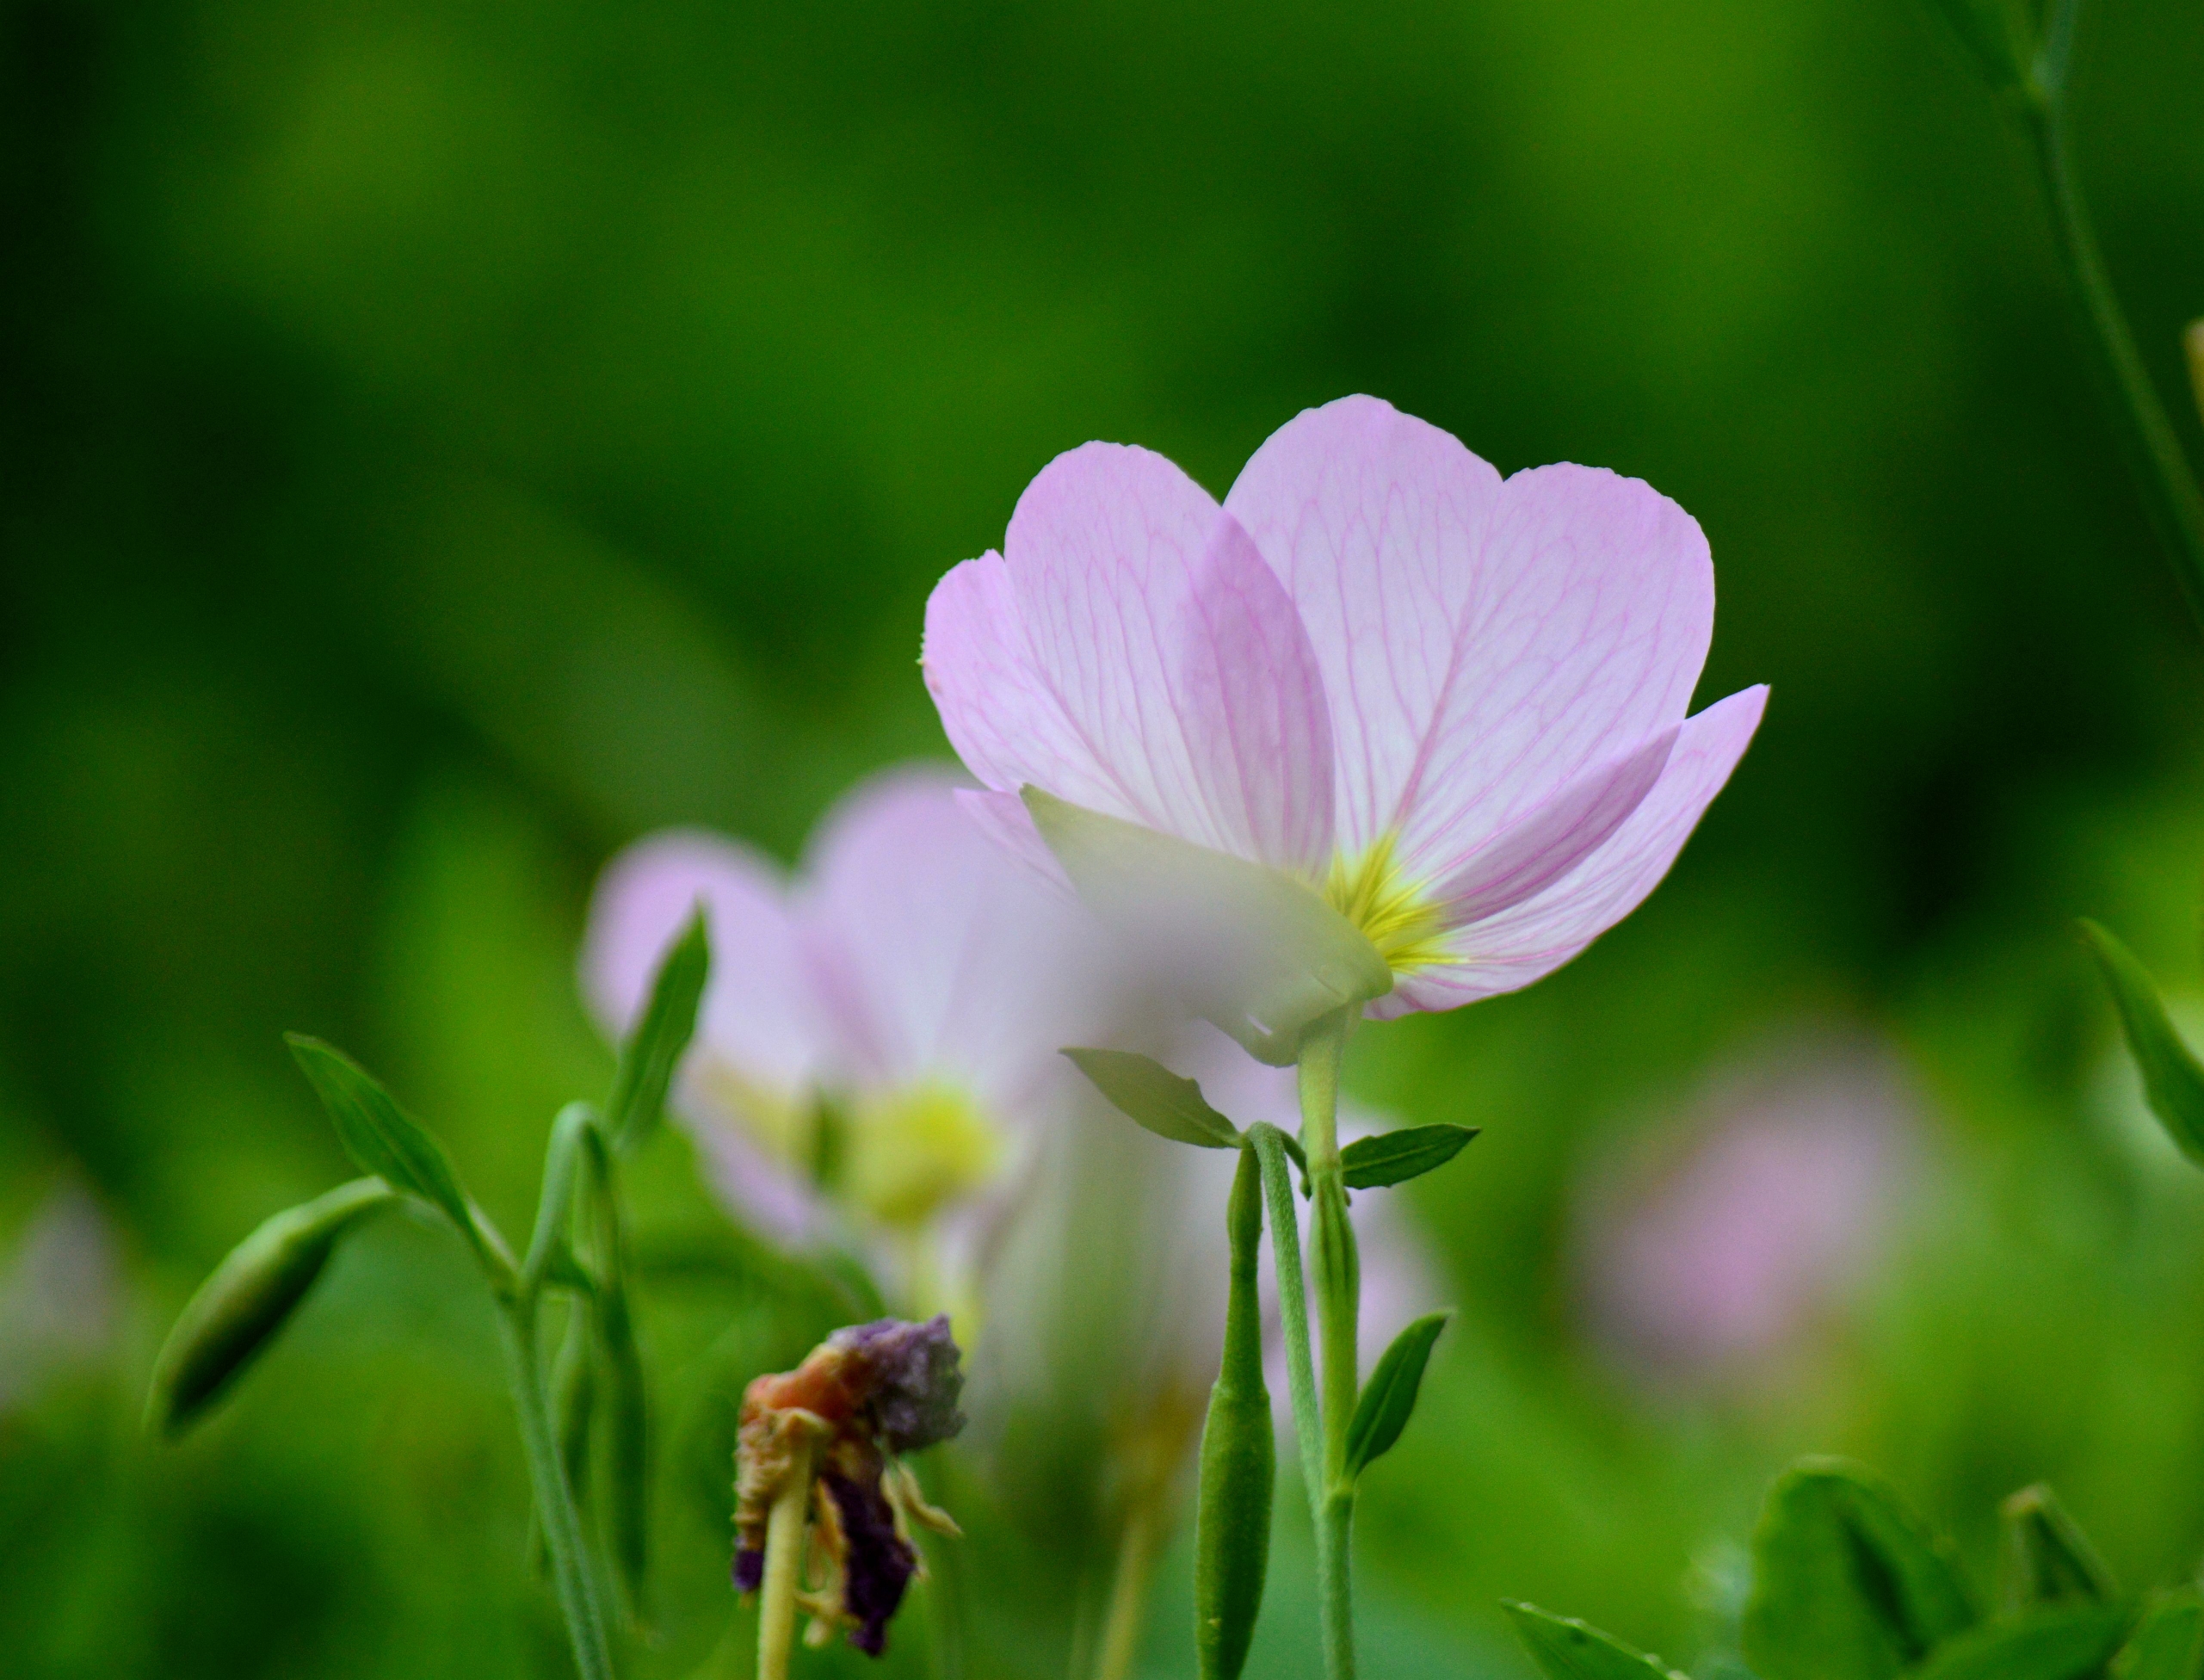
x: 1848, y: 1584
x: 1567, y: 1649
x: 2173, y: 1083
x: 1388, y: 1400
x: 2055, y: 1642
x: 2046, y: 1558
x: 654, y: 1046
x: 1151, y: 1095
x: 1395, y: 1158
x: 2168, y: 1644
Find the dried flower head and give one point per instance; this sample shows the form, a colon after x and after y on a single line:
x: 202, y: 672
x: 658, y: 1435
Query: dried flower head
x: 819, y: 1468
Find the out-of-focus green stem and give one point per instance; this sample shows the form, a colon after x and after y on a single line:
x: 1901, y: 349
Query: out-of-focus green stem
x: 1338, y: 1281
x: 2169, y: 481
x: 1128, y: 1598
x: 562, y: 1526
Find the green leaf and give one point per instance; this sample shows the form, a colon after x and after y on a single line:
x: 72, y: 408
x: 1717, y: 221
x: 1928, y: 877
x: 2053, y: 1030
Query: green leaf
x: 1848, y: 1583
x: 654, y: 1046
x: 2172, y: 1078
x: 387, y: 1141
x: 1566, y: 1649
x: 1390, y: 1396
x: 1253, y: 949
x: 2167, y: 1643
x: 238, y: 1311
x: 2046, y: 1560
x: 1395, y: 1158
x: 1150, y: 1095
x: 2056, y: 1642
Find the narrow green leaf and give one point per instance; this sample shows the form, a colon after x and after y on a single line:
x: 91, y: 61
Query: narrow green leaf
x: 1389, y: 1398
x: 627, y: 1456
x: 2167, y: 1643
x: 384, y: 1139
x: 1150, y: 1095
x: 1231, y: 1524
x: 2046, y: 1560
x: 1566, y: 1649
x: 2053, y: 1642
x: 249, y: 1297
x: 2172, y: 1078
x: 1848, y: 1584
x: 1253, y: 949
x: 654, y: 1046
x: 1395, y: 1158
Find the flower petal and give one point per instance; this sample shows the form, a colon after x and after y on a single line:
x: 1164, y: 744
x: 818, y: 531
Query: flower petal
x: 1131, y: 653
x: 932, y: 957
x: 757, y: 1018
x: 1484, y: 644
x: 1527, y: 859
x: 1519, y: 945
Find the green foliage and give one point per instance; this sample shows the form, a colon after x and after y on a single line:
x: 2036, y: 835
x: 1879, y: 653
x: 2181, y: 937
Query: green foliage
x: 1149, y: 1094
x: 1996, y: 36
x: 1232, y: 1525
x: 390, y: 1143
x: 2172, y: 1079
x: 2169, y: 1641
x: 248, y: 1299
x: 654, y: 1046
x: 1389, y: 1399
x: 2047, y: 1559
x: 1395, y: 1158
x: 1848, y: 1583
x: 1566, y: 1649
x: 2052, y: 1642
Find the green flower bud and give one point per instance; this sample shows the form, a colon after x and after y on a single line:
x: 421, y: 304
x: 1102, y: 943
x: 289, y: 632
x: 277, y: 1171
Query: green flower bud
x: 238, y: 1310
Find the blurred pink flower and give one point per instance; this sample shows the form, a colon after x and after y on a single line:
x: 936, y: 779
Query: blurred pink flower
x: 1453, y: 704
x: 1774, y: 1203
x: 904, y: 978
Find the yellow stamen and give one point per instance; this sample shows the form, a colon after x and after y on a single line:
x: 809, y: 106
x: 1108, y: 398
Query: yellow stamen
x: 1394, y: 911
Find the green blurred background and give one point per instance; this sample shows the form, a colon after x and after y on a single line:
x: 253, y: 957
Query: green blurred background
x: 443, y: 442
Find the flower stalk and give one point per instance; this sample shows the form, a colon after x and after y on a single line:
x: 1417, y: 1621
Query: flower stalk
x: 2168, y: 482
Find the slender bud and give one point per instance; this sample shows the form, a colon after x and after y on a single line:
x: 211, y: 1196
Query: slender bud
x: 238, y: 1310
x: 1232, y: 1530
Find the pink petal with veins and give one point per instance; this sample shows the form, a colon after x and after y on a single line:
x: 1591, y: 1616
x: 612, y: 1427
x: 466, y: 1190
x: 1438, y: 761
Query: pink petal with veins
x: 1509, y: 950
x: 1130, y: 652
x: 1484, y: 645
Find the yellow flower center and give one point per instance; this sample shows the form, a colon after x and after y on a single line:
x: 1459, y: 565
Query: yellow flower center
x: 908, y: 1153
x: 1392, y: 911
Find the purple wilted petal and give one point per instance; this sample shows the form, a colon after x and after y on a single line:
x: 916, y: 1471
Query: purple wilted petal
x: 878, y: 1563
x: 749, y: 1570
x: 915, y: 1379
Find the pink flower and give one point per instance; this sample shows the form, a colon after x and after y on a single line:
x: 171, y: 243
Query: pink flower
x: 880, y: 1033
x: 1772, y: 1203
x: 1451, y: 704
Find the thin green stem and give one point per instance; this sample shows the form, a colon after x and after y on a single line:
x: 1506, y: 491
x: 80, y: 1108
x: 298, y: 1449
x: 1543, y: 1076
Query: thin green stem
x: 1292, y: 1307
x: 2169, y: 481
x: 1128, y: 1598
x: 562, y: 1528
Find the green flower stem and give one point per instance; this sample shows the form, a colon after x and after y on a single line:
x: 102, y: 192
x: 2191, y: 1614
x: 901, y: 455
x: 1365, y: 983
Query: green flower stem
x: 784, y: 1565
x: 2170, y: 483
x: 562, y: 1526
x: 1337, y: 1275
x: 1293, y: 1307
x: 1128, y: 1598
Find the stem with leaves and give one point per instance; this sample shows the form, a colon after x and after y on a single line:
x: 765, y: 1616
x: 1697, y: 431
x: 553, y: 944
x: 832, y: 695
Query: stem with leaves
x: 2168, y: 482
